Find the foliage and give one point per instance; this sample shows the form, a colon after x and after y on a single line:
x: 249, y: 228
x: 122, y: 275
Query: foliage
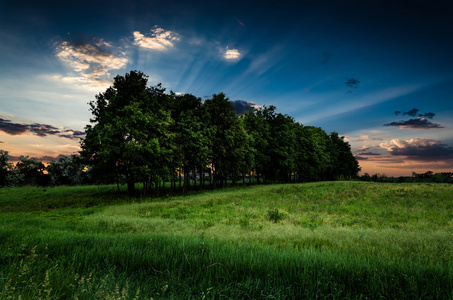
x: 29, y: 171
x: 5, y: 167
x: 130, y: 130
x: 228, y: 139
x: 67, y: 170
x: 140, y: 134
x: 274, y: 215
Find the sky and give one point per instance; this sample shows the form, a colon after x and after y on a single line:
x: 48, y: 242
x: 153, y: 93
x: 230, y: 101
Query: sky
x: 378, y: 72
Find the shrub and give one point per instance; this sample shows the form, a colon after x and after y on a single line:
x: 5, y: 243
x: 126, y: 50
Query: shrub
x: 274, y: 215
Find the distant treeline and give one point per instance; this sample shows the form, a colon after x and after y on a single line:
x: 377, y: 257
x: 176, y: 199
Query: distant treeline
x: 429, y: 176
x: 142, y: 134
x: 67, y: 170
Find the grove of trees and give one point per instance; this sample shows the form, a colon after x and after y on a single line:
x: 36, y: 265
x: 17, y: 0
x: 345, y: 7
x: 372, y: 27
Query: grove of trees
x: 142, y: 134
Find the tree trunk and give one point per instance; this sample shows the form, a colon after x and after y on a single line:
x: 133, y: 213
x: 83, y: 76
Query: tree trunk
x: 156, y: 183
x: 201, y: 178
x: 130, y: 187
x: 186, y: 182
x: 194, y: 179
x: 210, y: 177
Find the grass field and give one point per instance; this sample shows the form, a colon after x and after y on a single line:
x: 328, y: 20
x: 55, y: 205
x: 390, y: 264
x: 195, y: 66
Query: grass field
x: 332, y: 240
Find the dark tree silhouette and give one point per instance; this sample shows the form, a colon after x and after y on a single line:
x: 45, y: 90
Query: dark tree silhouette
x: 140, y: 133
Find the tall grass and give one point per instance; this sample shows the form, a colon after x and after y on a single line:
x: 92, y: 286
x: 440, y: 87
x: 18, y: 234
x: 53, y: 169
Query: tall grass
x: 322, y: 240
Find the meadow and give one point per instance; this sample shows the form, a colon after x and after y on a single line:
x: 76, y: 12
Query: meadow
x: 335, y: 240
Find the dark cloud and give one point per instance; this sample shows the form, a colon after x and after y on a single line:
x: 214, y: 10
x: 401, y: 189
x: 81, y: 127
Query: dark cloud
x: 240, y: 107
x: 366, y: 155
x: 428, y: 115
x: 413, y: 112
x: 72, y: 134
x: 13, y: 158
x: 419, y: 149
x: 352, y: 83
x: 358, y: 157
x: 419, y: 123
x: 369, y: 153
x: 41, y: 130
x: 44, y: 159
x: 12, y: 128
x: 48, y: 158
x: 326, y: 57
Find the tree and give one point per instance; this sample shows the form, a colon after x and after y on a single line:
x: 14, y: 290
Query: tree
x: 5, y: 167
x: 315, y: 160
x: 30, y: 170
x: 140, y: 133
x: 128, y: 130
x: 281, y: 150
x: 259, y: 132
x: 67, y: 170
x: 191, y: 135
x: 228, y: 139
x: 344, y: 164
x: 273, y: 138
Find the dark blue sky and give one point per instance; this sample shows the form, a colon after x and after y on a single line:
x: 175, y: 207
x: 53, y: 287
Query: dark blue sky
x: 345, y: 66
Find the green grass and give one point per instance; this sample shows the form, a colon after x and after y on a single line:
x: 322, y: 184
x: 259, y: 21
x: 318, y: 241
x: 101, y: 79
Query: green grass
x: 317, y: 240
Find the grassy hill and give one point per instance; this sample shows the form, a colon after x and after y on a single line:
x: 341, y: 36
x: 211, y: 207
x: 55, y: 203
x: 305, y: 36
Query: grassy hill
x: 314, y: 240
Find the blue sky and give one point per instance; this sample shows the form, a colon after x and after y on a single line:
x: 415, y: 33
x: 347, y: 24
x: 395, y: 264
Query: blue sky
x: 344, y: 66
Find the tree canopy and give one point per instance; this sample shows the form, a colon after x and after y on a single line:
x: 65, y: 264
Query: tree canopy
x: 142, y: 134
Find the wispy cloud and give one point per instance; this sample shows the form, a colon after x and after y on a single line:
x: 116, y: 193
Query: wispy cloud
x: 41, y: 130
x: 357, y: 102
x: 366, y: 138
x: 262, y: 63
x: 160, y: 39
x: 91, y: 59
x: 232, y: 54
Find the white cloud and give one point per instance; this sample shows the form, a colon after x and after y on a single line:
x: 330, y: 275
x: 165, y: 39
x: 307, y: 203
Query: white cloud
x: 416, y: 142
x: 160, y: 39
x: 232, y: 54
x: 91, y: 59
